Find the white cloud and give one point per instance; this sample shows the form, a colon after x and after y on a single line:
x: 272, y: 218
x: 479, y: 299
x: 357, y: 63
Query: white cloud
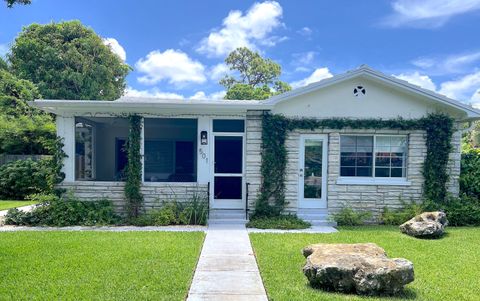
x: 456, y: 63
x: 172, y: 65
x: 416, y: 78
x: 219, y: 71
x: 302, y: 69
x: 272, y: 41
x: 465, y: 89
x: 116, y: 48
x: 462, y: 89
x: 247, y: 29
x: 317, y: 75
x: 428, y: 13
x: 200, y: 95
x: 154, y: 93
x: 303, y: 58
x: 305, y: 31
x: 424, y: 62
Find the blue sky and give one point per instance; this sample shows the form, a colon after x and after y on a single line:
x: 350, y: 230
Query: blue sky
x: 177, y: 47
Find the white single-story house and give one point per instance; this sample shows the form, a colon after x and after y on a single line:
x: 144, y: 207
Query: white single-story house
x: 215, y: 146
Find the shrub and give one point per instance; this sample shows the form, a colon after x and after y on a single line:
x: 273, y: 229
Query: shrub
x: 348, y: 217
x: 462, y: 211
x: 470, y: 173
x: 66, y: 211
x: 167, y: 215
x: 195, y: 212
x: 285, y: 222
x: 399, y: 216
x: 172, y: 212
x: 21, y: 178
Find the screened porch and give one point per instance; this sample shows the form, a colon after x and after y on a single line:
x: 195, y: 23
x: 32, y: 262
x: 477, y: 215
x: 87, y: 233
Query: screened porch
x: 169, y: 146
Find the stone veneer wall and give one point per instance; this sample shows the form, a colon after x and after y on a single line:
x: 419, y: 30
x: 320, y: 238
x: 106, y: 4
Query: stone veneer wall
x: 453, y: 167
x: 154, y: 193
x: 368, y: 197
x: 253, y: 155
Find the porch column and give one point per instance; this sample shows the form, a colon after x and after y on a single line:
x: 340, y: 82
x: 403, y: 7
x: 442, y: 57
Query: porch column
x: 203, y: 153
x: 142, y: 148
x: 66, y: 130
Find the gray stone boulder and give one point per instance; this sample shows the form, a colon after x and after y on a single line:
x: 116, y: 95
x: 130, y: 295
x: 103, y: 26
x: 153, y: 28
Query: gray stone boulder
x: 356, y: 268
x: 426, y: 225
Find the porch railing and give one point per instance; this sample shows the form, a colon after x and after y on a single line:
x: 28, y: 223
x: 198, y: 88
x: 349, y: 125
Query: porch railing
x: 246, y: 201
x: 208, y: 200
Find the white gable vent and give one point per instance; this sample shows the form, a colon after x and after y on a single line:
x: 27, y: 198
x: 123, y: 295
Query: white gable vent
x: 359, y: 91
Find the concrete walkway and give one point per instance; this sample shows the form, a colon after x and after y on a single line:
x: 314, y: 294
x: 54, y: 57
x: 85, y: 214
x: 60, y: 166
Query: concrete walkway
x: 23, y: 208
x: 227, y: 269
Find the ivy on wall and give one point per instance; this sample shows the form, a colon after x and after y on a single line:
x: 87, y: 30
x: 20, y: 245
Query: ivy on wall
x: 133, y: 171
x: 271, y: 201
x: 439, y: 129
x: 56, y: 164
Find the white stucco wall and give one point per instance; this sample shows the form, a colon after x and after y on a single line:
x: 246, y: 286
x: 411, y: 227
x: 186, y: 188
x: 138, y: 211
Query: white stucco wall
x: 66, y: 131
x: 379, y: 102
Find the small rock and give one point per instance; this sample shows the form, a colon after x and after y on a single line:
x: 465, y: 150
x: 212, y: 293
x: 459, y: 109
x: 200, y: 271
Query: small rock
x: 426, y: 225
x: 356, y: 268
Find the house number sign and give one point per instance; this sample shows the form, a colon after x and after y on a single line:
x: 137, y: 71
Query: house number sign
x: 203, y: 155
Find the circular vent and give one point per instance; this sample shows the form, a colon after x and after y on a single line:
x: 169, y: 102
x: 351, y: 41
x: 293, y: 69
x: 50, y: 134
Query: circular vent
x: 359, y: 91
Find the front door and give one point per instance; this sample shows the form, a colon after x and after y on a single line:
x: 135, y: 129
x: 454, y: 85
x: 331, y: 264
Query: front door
x: 228, y: 192
x: 313, y: 171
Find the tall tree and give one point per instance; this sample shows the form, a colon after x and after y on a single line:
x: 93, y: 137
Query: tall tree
x: 67, y: 60
x: 3, y: 64
x: 23, y: 129
x: 256, y: 77
x: 10, y: 3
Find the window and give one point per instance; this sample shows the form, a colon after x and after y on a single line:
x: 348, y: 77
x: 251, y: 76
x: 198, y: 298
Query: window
x: 356, y: 156
x: 100, y: 148
x: 229, y: 125
x: 83, y: 150
x: 121, y: 158
x: 390, y: 155
x: 170, y: 154
x: 378, y: 156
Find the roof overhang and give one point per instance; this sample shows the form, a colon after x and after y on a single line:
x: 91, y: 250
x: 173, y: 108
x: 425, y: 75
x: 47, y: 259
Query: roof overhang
x: 147, y: 106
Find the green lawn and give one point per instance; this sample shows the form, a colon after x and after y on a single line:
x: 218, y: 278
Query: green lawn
x: 445, y: 269
x: 97, y: 265
x: 4, y: 204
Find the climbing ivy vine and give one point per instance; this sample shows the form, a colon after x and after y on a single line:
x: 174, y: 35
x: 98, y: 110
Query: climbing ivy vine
x: 133, y: 171
x: 439, y: 129
x: 271, y: 201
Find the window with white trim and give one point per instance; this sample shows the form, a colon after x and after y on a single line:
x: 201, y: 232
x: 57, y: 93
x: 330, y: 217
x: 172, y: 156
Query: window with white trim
x: 378, y: 156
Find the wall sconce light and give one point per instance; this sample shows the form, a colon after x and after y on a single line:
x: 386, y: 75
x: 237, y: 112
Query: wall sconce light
x: 203, y: 138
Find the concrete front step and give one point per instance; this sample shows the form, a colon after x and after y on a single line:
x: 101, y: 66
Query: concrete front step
x: 317, y: 217
x: 227, y: 214
x: 227, y: 221
x: 323, y: 223
x: 312, y: 211
x: 313, y: 216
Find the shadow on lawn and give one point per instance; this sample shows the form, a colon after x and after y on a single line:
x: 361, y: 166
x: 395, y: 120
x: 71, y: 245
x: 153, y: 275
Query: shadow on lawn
x: 406, y: 294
